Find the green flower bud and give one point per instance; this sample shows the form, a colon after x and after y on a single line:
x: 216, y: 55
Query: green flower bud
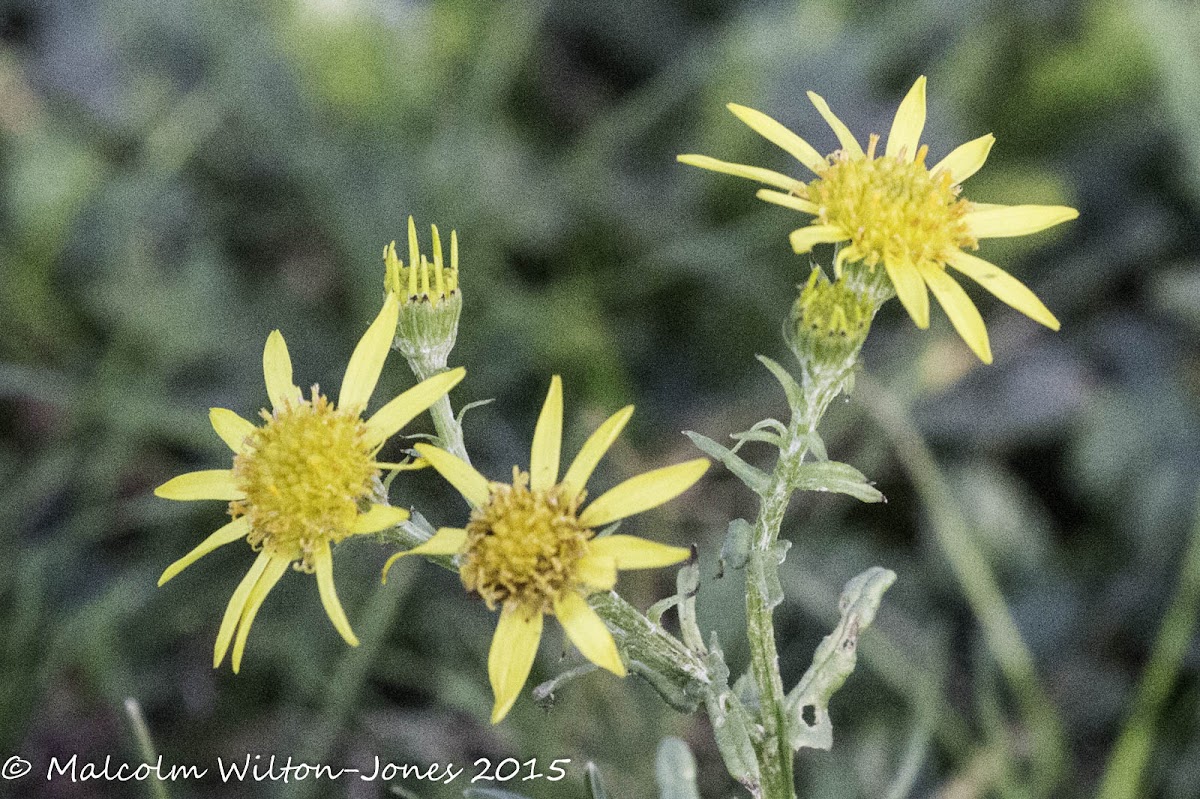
x: 430, y: 299
x: 829, y: 323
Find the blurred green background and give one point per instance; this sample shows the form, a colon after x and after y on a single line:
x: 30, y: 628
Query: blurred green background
x: 180, y: 177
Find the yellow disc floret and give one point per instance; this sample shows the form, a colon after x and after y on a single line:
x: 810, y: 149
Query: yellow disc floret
x: 523, y: 546
x: 893, y: 209
x: 303, y: 474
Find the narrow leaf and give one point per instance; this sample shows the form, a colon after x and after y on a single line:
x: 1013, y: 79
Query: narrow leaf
x: 675, y: 770
x: 795, y: 396
x: 754, y: 478
x: 840, y: 478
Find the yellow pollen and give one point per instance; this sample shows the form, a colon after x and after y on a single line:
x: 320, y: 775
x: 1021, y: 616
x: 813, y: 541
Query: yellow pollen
x: 304, y: 473
x: 894, y: 210
x: 523, y: 547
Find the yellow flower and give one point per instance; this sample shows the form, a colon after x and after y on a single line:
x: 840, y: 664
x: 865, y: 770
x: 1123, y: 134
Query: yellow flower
x: 893, y: 209
x: 530, y: 550
x: 305, y: 479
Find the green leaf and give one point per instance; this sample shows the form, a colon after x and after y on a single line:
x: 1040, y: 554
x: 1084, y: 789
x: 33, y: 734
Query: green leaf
x: 470, y: 406
x: 735, y: 551
x: 840, y: 478
x: 595, y: 787
x: 807, y: 705
x: 732, y: 723
x: 754, y: 478
x: 675, y: 770
x: 795, y: 395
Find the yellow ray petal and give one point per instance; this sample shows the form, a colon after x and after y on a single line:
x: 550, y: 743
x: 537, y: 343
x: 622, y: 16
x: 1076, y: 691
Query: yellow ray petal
x: 323, y: 560
x: 208, y: 484
x: 780, y: 136
x: 362, y: 373
x: 547, y: 440
x: 277, y: 372
x: 1016, y: 220
x: 787, y: 201
x: 232, y: 428
x: 510, y: 659
x: 768, y: 176
x: 631, y: 552
x: 378, y: 517
x: 958, y: 306
x: 908, y: 123
x: 460, y: 474
x: 446, y: 541
x: 593, y: 450
x: 389, y: 419
x: 596, y: 572
x: 805, y: 238
x: 1006, y: 287
x: 643, y: 492
x: 225, y: 535
x: 237, y: 603
x: 270, y: 577
x: 966, y: 159
x: 849, y: 144
x: 910, y: 288
x: 587, y: 631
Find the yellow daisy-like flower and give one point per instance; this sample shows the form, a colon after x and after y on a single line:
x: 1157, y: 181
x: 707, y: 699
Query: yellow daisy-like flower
x: 303, y: 480
x: 893, y: 209
x: 530, y: 549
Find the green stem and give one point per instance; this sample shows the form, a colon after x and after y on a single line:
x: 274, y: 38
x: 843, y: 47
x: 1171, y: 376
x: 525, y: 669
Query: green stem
x: 146, y: 749
x: 1123, y: 777
x: 448, y: 428
x: 979, y: 585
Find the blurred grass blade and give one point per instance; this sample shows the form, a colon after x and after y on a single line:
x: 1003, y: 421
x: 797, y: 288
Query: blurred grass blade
x: 1123, y: 777
x: 146, y: 750
x: 595, y: 787
x: 978, y: 582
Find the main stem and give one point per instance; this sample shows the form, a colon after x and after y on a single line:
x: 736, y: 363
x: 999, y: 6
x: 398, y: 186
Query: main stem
x: 448, y: 428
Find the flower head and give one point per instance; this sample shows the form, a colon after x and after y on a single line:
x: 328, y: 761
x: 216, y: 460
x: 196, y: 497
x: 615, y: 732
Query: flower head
x: 892, y: 209
x: 430, y: 299
x: 304, y: 479
x: 530, y: 550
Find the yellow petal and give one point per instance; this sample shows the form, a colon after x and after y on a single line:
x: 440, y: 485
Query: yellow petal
x: 587, y: 631
x: 1006, y: 287
x: 1016, y: 220
x: 547, y: 440
x: 643, y: 492
x: 844, y: 136
x: 362, y: 373
x: 768, y: 176
x: 910, y: 288
x: 277, y: 372
x: 958, y: 306
x: 225, y: 535
x: 631, y: 552
x: 787, y: 201
x: 270, y: 577
x: 378, y: 517
x: 596, y: 572
x: 514, y: 646
x: 388, y: 420
x: 323, y: 560
x: 780, y: 136
x: 446, y: 541
x: 805, y: 238
x: 593, y: 450
x: 460, y: 474
x: 908, y: 123
x: 208, y: 484
x: 237, y: 603
x: 232, y: 428
x: 966, y: 159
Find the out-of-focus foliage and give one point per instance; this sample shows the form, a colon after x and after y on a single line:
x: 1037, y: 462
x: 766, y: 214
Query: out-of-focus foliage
x: 181, y: 177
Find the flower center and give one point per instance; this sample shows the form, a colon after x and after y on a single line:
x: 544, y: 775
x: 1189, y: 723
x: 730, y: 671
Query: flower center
x: 893, y: 210
x: 523, y: 547
x: 303, y: 474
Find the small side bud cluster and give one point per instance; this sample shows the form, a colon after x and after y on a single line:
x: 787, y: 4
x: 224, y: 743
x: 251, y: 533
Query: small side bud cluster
x: 430, y: 300
x: 829, y: 323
